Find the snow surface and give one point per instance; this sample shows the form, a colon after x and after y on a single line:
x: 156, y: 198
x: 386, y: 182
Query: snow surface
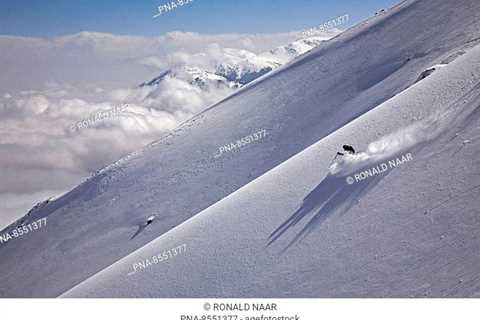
x: 413, y: 231
x: 369, y: 239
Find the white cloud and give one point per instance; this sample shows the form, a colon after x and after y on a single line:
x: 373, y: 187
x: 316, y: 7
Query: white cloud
x: 47, y: 85
x: 88, y: 59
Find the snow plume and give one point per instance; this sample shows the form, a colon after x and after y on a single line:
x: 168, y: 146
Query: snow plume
x: 348, y: 180
x: 394, y: 144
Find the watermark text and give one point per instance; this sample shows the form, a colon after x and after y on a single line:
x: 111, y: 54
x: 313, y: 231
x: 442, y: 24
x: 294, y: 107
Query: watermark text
x: 170, y: 6
x: 326, y: 26
x: 233, y: 146
x: 23, y: 229
x: 379, y: 169
x: 161, y: 257
x: 97, y: 117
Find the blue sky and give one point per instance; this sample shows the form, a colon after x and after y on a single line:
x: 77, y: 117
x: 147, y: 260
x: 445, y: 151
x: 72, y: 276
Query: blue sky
x: 44, y: 18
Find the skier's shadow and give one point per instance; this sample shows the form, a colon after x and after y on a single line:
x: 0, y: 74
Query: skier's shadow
x: 141, y: 227
x: 333, y: 194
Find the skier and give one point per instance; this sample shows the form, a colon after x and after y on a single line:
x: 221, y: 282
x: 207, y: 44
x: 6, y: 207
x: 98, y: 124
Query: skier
x: 150, y: 220
x: 347, y: 150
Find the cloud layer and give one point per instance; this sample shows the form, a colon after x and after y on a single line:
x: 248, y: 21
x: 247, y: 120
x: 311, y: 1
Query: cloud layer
x: 48, y: 85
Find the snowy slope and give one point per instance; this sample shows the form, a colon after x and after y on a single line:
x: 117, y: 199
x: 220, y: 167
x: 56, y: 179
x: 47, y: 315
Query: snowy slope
x: 98, y: 222
x: 411, y: 231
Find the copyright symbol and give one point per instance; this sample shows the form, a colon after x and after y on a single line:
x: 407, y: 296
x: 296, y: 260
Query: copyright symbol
x: 350, y: 180
x: 206, y: 306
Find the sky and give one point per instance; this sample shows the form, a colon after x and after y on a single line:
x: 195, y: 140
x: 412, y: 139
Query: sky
x: 40, y: 18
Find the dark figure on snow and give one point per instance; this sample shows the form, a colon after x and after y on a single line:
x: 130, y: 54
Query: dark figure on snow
x: 347, y: 150
x: 150, y: 219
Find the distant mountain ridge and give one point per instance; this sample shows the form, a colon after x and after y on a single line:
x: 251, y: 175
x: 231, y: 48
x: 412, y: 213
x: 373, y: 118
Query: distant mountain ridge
x: 238, y: 67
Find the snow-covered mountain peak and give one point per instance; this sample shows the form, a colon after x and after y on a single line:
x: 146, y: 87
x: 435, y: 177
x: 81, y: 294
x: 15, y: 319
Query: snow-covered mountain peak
x: 234, y: 68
